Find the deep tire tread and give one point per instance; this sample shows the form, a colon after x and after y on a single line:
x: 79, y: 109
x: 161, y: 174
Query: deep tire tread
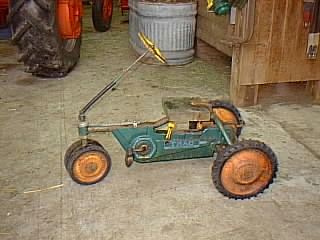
x: 228, y: 152
x: 76, y: 146
x: 15, y: 9
x: 35, y: 29
x: 43, y: 4
x: 20, y: 32
x: 25, y: 54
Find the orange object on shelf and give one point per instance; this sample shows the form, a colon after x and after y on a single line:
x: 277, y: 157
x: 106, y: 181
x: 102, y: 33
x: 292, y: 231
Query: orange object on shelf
x: 124, y: 6
x: 3, y: 12
x: 69, y: 15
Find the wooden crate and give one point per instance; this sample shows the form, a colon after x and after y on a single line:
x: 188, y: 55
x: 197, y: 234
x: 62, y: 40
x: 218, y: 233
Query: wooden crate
x: 275, y: 53
x: 213, y: 29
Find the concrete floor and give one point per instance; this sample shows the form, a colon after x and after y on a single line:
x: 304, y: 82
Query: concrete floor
x: 174, y: 200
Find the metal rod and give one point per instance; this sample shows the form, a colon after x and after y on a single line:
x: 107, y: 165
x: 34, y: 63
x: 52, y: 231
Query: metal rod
x: 220, y: 126
x: 111, y: 127
x: 111, y: 85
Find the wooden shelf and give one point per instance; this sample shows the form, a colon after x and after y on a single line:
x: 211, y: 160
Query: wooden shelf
x: 275, y: 53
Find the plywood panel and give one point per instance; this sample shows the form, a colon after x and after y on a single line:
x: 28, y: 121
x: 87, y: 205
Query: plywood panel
x: 213, y: 29
x: 277, y: 50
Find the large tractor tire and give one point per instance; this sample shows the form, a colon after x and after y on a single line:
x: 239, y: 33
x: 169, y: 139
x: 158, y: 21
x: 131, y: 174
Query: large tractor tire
x: 48, y: 35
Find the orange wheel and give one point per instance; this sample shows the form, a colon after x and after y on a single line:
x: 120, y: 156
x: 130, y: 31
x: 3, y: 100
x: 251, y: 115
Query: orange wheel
x: 244, y: 169
x: 228, y: 114
x: 75, y: 147
x: 102, y: 14
x: 89, y: 164
x: 107, y: 10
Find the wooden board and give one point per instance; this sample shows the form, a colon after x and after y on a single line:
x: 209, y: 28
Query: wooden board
x: 213, y: 29
x: 277, y: 50
x: 181, y: 110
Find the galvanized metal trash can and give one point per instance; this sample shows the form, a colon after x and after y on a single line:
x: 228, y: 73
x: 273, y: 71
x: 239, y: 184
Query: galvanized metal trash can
x: 170, y: 25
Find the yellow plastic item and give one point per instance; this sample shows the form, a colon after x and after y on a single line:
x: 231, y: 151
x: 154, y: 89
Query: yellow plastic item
x: 152, y: 48
x: 171, y: 126
x: 210, y: 4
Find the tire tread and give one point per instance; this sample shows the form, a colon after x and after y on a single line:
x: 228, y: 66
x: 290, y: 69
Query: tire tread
x: 224, y: 155
x: 35, y: 29
x: 76, y: 150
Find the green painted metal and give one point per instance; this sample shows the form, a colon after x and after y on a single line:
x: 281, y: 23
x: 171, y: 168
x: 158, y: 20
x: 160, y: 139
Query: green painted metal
x: 222, y: 7
x: 83, y: 130
x: 182, y: 145
x: 221, y: 127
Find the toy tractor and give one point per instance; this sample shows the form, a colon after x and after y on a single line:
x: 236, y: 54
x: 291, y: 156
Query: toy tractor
x: 48, y: 32
x: 191, y: 129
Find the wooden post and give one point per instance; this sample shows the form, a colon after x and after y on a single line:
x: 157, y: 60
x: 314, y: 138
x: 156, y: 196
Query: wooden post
x: 315, y: 90
x: 313, y: 87
x: 241, y: 95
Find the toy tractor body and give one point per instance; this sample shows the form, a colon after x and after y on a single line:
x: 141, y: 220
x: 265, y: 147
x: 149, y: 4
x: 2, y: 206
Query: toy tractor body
x: 170, y: 138
x: 191, y: 129
x: 242, y: 169
x: 148, y: 144
x: 48, y: 32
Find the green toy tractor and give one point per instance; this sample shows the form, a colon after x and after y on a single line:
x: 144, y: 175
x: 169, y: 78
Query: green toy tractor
x: 191, y: 129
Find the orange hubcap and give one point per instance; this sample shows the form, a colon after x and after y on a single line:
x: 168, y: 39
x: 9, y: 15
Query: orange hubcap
x: 69, y: 14
x: 246, y: 172
x: 90, y: 167
x: 107, y: 10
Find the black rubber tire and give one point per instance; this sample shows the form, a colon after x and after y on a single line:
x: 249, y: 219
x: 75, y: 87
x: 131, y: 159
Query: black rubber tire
x: 99, y: 23
x: 40, y: 47
x: 75, y: 147
x: 77, y: 152
x: 233, y: 109
x: 224, y: 155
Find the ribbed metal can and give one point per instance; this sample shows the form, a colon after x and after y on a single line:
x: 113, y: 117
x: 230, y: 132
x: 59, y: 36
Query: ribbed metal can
x: 170, y: 25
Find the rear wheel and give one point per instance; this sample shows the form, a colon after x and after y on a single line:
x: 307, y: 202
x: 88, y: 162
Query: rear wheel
x: 48, y: 35
x: 102, y: 14
x: 229, y: 114
x: 244, y: 169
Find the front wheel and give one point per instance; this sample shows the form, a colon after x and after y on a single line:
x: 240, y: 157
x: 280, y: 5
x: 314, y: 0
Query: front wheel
x: 244, y: 169
x: 87, y: 164
x: 102, y: 14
